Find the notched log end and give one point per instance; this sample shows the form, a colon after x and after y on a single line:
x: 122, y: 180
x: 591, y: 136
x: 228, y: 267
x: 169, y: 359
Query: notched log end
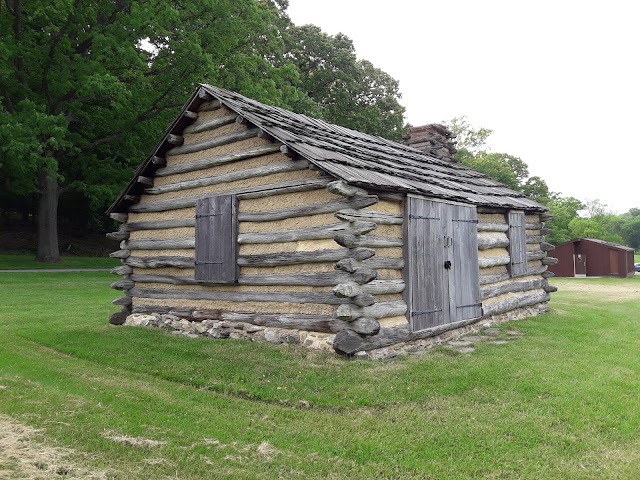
x: 347, y: 342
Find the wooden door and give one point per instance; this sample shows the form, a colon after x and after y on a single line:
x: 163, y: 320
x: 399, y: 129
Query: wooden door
x: 442, y: 263
x: 613, y: 263
x: 580, y: 265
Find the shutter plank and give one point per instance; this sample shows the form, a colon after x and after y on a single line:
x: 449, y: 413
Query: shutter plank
x: 517, y: 243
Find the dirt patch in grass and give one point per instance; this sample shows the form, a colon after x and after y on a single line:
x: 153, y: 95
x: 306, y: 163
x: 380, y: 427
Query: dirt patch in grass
x: 624, y: 290
x: 24, y: 456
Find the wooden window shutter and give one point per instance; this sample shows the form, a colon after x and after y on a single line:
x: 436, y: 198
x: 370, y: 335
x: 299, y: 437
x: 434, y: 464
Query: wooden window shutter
x: 517, y: 243
x: 425, y: 260
x: 216, y: 239
x: 464, y: 275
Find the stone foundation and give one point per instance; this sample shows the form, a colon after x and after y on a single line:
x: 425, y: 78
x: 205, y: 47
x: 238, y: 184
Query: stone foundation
x: 316, y: 340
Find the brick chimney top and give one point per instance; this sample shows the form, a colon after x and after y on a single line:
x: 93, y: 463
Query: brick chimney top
x: 433, y: 139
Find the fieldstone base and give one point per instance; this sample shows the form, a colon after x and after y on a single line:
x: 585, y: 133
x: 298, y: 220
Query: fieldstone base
x: 462, y: 339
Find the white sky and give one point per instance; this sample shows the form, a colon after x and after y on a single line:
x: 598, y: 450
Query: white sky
x: 557, y: 81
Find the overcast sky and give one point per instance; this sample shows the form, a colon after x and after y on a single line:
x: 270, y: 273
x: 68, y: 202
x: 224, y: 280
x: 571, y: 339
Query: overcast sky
x: 557, y: 81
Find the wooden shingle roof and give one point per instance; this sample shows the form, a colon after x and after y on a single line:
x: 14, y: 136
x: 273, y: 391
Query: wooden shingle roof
x: 363, y: 160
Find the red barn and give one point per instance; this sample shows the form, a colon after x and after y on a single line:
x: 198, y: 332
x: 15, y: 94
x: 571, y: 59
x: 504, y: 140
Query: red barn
x: 588, y: 257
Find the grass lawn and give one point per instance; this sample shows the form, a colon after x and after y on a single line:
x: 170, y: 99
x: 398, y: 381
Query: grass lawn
x: 561, y: 402
x: 24, y: 262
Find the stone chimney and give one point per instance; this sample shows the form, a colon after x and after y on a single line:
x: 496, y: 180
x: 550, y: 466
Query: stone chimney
x: 433, y: 139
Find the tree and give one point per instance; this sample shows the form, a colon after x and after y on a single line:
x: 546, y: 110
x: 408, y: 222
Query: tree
x: 87, y: 87
x: 564, y: 210
x: 344, y: 90
x: 630, y: 228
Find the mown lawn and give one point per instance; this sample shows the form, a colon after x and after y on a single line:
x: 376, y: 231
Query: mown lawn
x: 28, y: 262
x: 560, y: 402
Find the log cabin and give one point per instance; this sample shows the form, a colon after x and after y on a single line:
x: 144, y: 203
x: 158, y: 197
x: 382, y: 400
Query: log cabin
x: 251, y: 221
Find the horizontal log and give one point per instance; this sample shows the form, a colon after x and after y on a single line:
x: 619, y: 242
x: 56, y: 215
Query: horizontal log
x: 545, y: 217
x: 285, y: 150
x: 364, y: 275
x: 126, y: 300
x: 533, y: 226
x: 512, y: 303
x: 122, y: 254
x: 210, y: 106
x: 329, y: 207
x: 492, y: 242
x: 521, y: 286
x: 299, y: 279
x: 533, y: 239
x: 376, y: 287
x: 492, y: 227
x: 247, y: 192
x: 547, y: 247
x: 121, y: 270
x: 363, y: 300
x: 215, y: 142
x: 122, y: 284
x: 536, y: 255
x: 549, y: 261
x: 380, y: 218
x: 309, y: 233
x: 365, y: 326
x: 160, y: 244
x: 158, y: 224
x: 131, y: 199
x: 118, y: 236
x: 548, y: 274
x: 284, y: 297
x: 211, y: 124
x: 550, y: 288
x: 546, y: 231
x: 191, y: 115
x: 495, y: 278
x: 351, y: 264
x: 493, y: 261
x: 313, y: 323
x: 361, y: 253
x: 207, y: 97
x: 147, y: 181
x: 340, y: 187
x: 539, y: 270
x: 378, y: 310
x: 217, y: 160
x: 158, y: 161
x: 161, y: 262
x: 175, y: 139
x: 351, y: 241
x: 291, y: 258
x: 119, y: 217
x: 289, y: 166
x: 349, y: 342
x: 118, y: 318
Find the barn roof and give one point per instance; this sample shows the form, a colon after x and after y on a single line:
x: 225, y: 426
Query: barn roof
x: 600, y: 242
x: 357, y: 158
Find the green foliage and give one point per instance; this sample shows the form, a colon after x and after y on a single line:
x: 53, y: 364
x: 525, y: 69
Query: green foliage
x: 564, y: 210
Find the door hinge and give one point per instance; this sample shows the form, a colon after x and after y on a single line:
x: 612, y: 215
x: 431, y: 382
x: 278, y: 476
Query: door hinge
x: 424, y: 312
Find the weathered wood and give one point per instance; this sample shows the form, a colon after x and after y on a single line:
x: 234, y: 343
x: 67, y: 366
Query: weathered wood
x: 365, y: 326
x: 545, y: 217
x: 247, y: 192
x: 512, y: 303
x: 191, y: 115
x: 175, y: 139
x: 550, y: 288
x: 548, y: 274
x: 158, y: 224
x: 517, y: 243
x: 118, y: 236
x: 289, y: 166
x: 118, y: 318
x: 499, y: 277
x: 291, y: 258
x: 351, y: 264
x: 351, y: 241
x: 492, y: 242
x: 207, y: 97
x: 536, y: 255
x: 122, y: 254
x: 160, y: 244
x: 133, y: 199
x: 380, y: 218
x: 361, y: 253
x: 214, y: 142
x: 121, y: 270
x: 119, y: 217
x: 492, y: 227
x: 329, y: 207
x: 210, y: 106
x: 309, y: 233
x: 533, y: 226
x: 300, y: 279
x: 549, y: 261
x: 376, y: 287
x: 348, y: 343
x: 364, y: 275
x: 547, y: 247
x: 122, y: 284
x: 546, y: 231
x: 288, y: 152
x: 126, y: 300
x: 217, y: 160
x: 211, y: 124
x: 145, y: 181
x: 158, y: 161
x: 521, y: 286
x: 340, y: 187
x: 533, y: 239
x: 537, y: 270
x: 314, y: 323
x: 378, y: 310
x: 161, y: 262
x: 363, y: 300
x: 286, y: 297
x: 493, y: 261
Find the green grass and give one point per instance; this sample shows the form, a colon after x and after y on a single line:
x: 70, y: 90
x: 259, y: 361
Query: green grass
x: 28, y: 262
x: 560, y: 402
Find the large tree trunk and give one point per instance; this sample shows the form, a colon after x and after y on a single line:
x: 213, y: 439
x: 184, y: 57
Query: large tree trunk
x: 48, y: 217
